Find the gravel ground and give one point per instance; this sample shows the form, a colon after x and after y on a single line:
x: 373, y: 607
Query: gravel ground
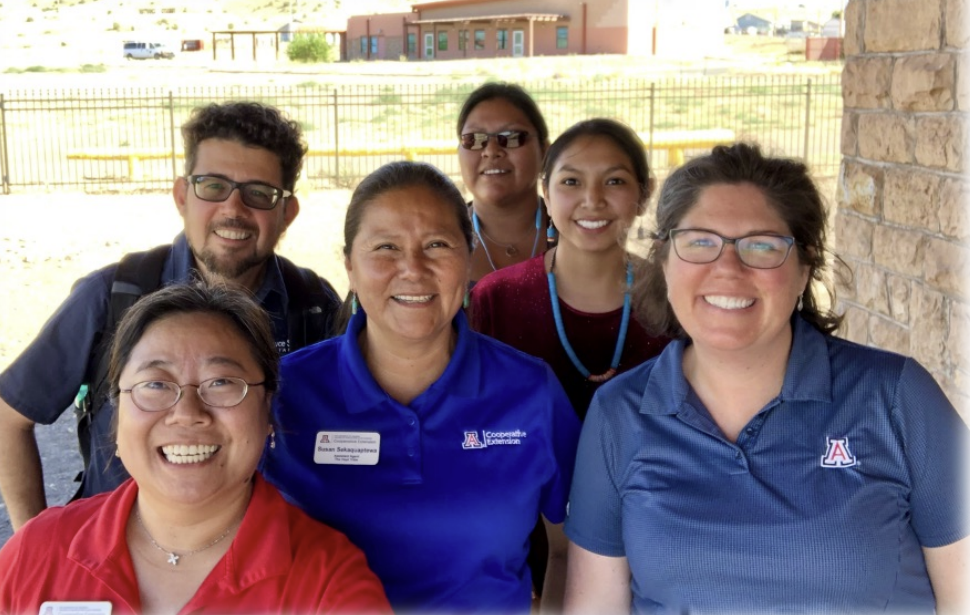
x: 47, y: 241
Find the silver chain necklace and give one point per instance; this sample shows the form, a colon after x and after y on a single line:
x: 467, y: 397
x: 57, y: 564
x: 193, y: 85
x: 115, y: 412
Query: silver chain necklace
x: 173, y: 557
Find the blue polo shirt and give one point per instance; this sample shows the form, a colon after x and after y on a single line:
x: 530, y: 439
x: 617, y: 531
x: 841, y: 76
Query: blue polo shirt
x: 66, y: 340
x: 440, y: 494
x: 822, y: 504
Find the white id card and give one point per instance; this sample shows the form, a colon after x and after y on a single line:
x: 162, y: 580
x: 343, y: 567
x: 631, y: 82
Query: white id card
x: 348, y: 448
x: 53, y: 607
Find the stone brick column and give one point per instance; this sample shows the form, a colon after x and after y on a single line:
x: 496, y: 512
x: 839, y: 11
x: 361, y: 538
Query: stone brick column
x: 902, y: 223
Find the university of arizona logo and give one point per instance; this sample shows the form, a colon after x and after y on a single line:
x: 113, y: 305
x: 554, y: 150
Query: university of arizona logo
x: 837, y: 454
x: 472, y: 440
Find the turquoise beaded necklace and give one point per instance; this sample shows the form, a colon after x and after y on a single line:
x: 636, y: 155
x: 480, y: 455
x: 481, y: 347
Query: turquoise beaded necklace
x: 561, y: 330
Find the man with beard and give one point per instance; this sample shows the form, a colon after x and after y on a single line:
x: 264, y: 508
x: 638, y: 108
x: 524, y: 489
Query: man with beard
x: 236, y: 199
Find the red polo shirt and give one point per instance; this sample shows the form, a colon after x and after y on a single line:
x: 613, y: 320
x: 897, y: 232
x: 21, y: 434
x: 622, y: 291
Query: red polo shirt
x: 281, y: 561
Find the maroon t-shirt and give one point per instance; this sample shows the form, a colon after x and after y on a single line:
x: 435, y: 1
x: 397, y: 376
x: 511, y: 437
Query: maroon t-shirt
x: 512, y: 305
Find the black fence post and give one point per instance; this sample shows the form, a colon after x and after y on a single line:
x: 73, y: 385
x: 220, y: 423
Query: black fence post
x: 653, y: 100
x: 808, y: 119
x: 336, y: 139
x: 4, y: 169
x: 171, y: 132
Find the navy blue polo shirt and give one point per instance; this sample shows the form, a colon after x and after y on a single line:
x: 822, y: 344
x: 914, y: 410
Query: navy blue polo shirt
x: 42, y: 393
x: 440, y: 494
x: 823, y: 503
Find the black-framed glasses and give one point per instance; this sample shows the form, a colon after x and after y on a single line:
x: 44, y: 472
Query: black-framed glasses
x: 158, y: 395
x: 508, y: 139
x: 758, y: 251
x: 216, y: 189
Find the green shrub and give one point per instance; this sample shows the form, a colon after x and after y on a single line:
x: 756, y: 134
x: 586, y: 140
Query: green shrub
x: 310, y: 47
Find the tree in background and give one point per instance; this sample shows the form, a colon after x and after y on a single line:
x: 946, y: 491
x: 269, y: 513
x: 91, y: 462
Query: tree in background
x: 310, y: 47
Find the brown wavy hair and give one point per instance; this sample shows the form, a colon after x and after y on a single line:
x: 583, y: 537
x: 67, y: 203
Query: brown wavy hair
x: 788, y: 188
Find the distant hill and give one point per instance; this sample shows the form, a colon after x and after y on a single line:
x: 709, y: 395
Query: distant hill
x: 194, y: 15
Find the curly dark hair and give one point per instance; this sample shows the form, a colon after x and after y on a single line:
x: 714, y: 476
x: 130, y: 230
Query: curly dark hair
x: 251, y: 123
x: 788, y: 188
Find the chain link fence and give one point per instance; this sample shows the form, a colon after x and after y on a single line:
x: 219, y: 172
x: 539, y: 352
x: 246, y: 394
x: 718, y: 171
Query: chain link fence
x: 124, y: 140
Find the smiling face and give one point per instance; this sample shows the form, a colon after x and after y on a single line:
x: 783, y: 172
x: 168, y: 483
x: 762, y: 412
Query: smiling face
x: 593, y: 195
x: 725, y: 305
x: 409, y: 265
x: 229, y: 239
x: 495, y: 175
x: 192, y: 453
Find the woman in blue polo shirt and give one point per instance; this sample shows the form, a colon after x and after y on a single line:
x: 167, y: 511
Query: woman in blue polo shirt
x: 759, y: 463
x: 434, y: 448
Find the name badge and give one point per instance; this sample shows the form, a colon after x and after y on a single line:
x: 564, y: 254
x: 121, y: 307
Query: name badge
x: 347, y: 448
x: 53, y: 607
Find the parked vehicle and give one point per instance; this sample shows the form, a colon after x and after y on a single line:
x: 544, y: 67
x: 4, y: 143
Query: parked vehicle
x: 138, y: 50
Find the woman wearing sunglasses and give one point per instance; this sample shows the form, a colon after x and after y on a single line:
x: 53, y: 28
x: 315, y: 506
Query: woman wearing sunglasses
x: 502, y: 139
x: 196, y: 529
x: 760, y: 464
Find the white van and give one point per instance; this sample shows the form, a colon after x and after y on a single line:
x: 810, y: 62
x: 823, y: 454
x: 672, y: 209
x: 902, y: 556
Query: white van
x: 137, y: 50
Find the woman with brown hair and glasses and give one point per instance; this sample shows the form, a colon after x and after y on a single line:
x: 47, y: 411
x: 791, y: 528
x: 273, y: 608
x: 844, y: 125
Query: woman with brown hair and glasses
x: 761, y: 464
x: 502, y: 139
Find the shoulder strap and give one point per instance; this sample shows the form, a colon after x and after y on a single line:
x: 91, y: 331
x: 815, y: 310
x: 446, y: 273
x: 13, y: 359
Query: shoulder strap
x: 138, y: 273
x: 312, y: 305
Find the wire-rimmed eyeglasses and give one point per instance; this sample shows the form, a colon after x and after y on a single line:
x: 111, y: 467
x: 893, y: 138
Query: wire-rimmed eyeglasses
x: 216, y: 189
x: 758, y: 250
x: 508, y: 139
x: 158, y: 395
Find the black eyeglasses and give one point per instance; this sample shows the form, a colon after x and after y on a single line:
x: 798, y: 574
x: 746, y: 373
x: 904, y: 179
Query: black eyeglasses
x: 757, y: 251
x: 158, y: 395
x: 216, y: 189
x: 508, y: 139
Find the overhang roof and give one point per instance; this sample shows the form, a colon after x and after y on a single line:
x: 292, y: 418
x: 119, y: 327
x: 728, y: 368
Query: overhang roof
x: 490, y: 18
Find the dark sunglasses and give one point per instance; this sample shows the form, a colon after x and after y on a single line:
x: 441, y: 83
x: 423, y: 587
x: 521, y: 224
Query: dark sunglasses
x: 508, y: 139
x: 215, y: 189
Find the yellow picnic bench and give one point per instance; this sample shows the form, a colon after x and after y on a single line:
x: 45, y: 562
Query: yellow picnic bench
x: 674, y: 142
x: 134, y: 157
x: 407, y: 151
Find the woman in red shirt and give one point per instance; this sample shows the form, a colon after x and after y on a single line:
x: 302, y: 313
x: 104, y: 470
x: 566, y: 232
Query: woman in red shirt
x: 196, y: 529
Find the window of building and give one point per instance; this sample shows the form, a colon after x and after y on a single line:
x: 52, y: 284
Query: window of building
x: 412, y: 44
x: 479, y: 39
x: 502, y: 39
x: 373, y: 45
x: 363, y: 45
x: 462, y: 39
x: 442, y: 41
x: 562, y: 37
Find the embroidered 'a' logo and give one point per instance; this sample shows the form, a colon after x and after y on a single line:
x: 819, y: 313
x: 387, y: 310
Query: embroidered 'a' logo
x: 837, y: 454
x: 472, y: 440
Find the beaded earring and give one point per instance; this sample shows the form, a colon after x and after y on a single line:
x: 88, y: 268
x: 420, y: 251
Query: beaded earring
x: 801, y: 303
x: 272, y: 439
x: 353, y: 304
x: 550, y: 232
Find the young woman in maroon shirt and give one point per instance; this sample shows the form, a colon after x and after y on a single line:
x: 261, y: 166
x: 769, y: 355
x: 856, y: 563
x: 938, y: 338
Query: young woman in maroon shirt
x: 571, y: 306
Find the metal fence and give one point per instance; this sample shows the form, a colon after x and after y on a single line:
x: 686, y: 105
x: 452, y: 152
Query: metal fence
x: 85, y: 139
